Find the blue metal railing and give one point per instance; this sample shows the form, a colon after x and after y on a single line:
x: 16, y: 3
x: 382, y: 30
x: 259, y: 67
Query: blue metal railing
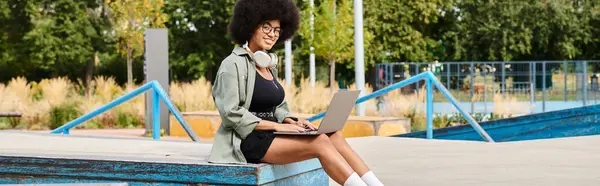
x: 430, y: 80
x: 158, y: 94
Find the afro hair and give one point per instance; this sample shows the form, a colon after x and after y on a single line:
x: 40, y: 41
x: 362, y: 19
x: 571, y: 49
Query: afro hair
x: 249, y: 14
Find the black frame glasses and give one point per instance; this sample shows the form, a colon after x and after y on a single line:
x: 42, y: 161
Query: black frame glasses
x: 267, y: 28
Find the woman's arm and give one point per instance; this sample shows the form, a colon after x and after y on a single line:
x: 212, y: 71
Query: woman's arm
x: 265, y: 125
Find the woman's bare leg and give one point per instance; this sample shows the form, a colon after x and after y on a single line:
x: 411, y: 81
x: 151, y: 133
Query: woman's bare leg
x: 340, y: 143
x: 290, y: 149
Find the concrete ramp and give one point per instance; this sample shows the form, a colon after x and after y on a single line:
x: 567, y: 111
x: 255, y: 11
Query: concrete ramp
x: 582, y: 121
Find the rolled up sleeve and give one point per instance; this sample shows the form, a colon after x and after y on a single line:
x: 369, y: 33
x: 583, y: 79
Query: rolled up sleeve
x: 282, y: 111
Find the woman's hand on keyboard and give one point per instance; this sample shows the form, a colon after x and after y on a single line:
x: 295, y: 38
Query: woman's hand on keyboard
x: 288, y: 128
x: 306, y: 124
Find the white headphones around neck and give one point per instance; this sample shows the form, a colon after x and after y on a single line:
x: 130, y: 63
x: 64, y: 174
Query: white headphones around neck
x: 262, y: 58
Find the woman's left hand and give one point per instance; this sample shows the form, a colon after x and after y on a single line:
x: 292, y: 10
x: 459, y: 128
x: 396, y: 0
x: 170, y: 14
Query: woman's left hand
x: 305, y: 124
x: 301, y: 123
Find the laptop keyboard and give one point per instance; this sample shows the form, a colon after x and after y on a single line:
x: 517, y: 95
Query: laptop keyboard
x: 310, y: 131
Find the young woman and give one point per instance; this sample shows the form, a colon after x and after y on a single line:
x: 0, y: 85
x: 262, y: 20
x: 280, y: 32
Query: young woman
x: 251, y: 101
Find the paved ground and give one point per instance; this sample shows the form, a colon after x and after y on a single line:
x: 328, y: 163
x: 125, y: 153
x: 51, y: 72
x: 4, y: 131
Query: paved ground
x: 402, y: 161
x: 565, y: 161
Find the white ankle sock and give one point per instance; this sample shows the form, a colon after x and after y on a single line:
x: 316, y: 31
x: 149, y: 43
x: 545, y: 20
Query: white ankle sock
x: 371, y: 180
x: 354, y: 180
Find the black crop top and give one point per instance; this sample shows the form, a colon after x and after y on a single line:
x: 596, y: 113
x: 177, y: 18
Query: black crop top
x: 268, y: 94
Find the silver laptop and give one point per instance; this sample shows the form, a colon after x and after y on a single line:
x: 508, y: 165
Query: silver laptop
x: 337, y: 114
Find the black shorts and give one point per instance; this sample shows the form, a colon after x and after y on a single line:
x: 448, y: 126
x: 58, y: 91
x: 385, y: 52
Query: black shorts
x: 256, y: 144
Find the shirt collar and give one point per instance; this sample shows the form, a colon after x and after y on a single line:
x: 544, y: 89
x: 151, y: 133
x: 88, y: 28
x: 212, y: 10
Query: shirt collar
x: 239, y: 51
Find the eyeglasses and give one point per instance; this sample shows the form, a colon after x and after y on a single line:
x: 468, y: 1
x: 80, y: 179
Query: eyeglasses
x: 267, y: 28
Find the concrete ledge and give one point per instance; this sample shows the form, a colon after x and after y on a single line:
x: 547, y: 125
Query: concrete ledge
x: 52, y: 159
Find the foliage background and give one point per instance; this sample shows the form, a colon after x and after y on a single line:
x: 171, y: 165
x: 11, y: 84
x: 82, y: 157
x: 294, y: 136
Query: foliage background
x: 75, y: 38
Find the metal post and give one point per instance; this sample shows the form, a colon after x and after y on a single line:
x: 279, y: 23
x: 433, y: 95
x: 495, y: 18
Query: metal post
x: 448, y: 75
x: 312, y: 68
x: 390, y: 74
x: 484, y: 90
x: 288, y: 62
x: 155, y: 115
x: 565, y: 76
x: 584, y: 83
x: 503, y: 79
x: 531, y: 91
x: 156, y: 64
x: 359, y: 54
x: 377, y: 69
x: 531, y: 87
x: 429, y: 105
x: 312, y: 49
x: 472, y: 87
x: 418, y: 85
x: 458, y: 76
x: 458, y: 80
x: 534, y: 80
x: 544, y: 86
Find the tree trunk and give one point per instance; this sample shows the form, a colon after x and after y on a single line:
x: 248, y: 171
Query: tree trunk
x: 332, y: 74
x: 129, y: 67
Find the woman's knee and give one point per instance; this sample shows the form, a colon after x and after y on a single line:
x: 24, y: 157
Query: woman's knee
x: 321, y: 144
x: 322, y: 139
x: 336, y: 135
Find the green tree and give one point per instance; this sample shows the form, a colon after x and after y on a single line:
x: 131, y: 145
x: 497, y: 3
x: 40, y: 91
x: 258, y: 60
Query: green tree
x: 516, y: 30
x: 43, y: 39
x: 129, y: 19
x: 589, y: 16
x: 198, y: 37
x: 59, y: 39
x: 5, y: 19
x: 333, y: 33
x: 403, y: 30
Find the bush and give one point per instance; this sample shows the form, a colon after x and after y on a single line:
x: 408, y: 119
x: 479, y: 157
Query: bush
x: 126, y: 120
x: 62, y: 114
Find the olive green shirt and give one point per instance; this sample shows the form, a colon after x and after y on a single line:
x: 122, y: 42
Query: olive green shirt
x: 232, y: 92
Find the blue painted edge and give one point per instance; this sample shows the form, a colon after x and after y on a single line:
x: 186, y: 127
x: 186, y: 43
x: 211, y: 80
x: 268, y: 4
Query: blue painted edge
x: 513, y: 121
x: 269, y: 173
x: 129, y: 171
x: 55, y: 180
x: 249, y: 174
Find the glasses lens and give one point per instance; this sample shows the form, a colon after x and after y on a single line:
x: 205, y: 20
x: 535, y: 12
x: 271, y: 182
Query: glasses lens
x: 266, y: 28
x: 277, y: 31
